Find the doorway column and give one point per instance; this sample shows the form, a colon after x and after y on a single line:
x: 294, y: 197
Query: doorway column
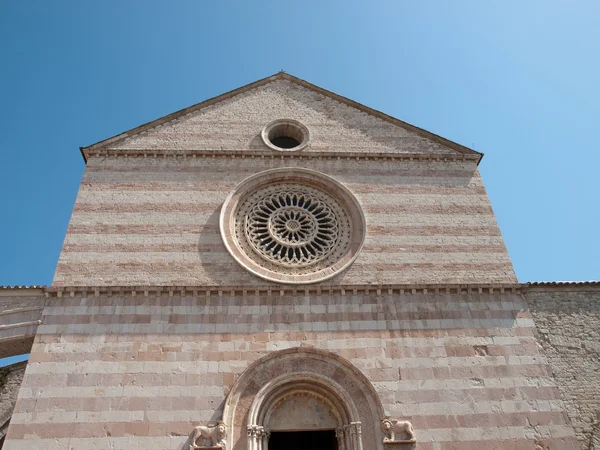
x: 353, y: 433
x: 258, y: 437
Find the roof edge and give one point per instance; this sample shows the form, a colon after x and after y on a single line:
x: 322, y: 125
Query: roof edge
x: 266, y: 154
x: 182, y: 112
x: 280, y: 76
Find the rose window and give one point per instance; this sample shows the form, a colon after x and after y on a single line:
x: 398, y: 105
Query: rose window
x: 292, y: 225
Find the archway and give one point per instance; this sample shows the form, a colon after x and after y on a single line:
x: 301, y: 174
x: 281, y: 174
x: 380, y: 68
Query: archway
x: 303, y: 390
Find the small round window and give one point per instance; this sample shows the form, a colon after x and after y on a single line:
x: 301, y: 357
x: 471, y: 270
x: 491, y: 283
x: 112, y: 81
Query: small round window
x: 285, y: 135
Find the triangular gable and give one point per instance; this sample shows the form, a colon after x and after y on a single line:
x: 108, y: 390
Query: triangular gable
x: 232, y: 122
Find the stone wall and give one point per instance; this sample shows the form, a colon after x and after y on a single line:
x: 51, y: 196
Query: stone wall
x: 568, y: 323
x: 155, y: 221
x: 10, y: 382
x: 139, y: 371
x: 235, y: 124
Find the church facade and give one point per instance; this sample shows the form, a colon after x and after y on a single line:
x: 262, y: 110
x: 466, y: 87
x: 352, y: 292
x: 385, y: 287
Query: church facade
x: 283, y: 268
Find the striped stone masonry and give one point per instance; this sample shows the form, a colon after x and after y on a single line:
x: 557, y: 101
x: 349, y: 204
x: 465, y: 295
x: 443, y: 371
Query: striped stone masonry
x: 149, y: 221
x: 139, y: 369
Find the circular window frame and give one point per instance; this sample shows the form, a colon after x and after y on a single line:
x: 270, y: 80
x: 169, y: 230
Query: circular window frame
x: 307, y: 177
x: 289, y: 128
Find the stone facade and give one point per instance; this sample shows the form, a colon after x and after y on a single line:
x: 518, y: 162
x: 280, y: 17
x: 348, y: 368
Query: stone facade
x: 151, y: 219
x: 120, y: 371
x: 155, y: 221
x: 155, y: 336
x: 568, y: 323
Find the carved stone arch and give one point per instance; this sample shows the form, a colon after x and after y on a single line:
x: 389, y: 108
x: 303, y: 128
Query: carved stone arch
x: 328, y: 379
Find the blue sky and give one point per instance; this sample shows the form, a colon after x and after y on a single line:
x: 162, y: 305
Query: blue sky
x: 515, y: 80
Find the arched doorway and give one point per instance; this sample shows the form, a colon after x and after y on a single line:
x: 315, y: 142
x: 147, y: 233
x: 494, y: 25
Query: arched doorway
x: 303, y: 398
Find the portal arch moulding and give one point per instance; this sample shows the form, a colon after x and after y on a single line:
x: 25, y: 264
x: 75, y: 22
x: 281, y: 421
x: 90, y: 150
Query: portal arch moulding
x: 281, y: 391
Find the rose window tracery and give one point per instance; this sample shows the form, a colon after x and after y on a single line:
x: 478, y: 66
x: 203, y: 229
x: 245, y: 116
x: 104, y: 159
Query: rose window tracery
x: 292, y: 225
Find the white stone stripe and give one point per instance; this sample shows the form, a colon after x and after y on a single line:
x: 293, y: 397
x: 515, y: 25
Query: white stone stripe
x: 57, y: 416
x: 222, y: 257
x: 158, y: 326
x: 213, y: 239
x: 425, y: 409
x: 331, y: 343
x: 200, y: 367
x: 460, y: 383
x: 427, y: 435
x: 121, y: 391
x: 107, y: 443
x: 193, y: 416
x: 199, y: 275
x: 192, y: 218
x: 195, y: 196
x: 489, y: 433
x: 105, y: 175
x: 353, y: 305
x: 485, y: 407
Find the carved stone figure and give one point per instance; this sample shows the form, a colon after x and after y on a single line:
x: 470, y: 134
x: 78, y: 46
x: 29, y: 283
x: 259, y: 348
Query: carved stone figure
x: 214, y: 435
x: 397, y: 431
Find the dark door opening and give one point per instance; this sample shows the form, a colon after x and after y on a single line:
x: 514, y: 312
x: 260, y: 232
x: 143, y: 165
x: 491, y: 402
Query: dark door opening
x: 303, y: 440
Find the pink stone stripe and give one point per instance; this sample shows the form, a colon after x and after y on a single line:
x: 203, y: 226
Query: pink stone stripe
x: 158, y: 267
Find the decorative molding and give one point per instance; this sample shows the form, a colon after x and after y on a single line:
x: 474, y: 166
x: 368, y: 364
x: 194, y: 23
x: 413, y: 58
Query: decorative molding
x: 282, y: 290
x: 266, y: 154
x: 343, y: 289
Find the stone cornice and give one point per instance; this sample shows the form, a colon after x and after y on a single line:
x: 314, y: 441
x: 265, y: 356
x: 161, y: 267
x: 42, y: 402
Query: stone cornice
x: 276, y: 290
x: 261, y: 154
x: 474, y: 288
